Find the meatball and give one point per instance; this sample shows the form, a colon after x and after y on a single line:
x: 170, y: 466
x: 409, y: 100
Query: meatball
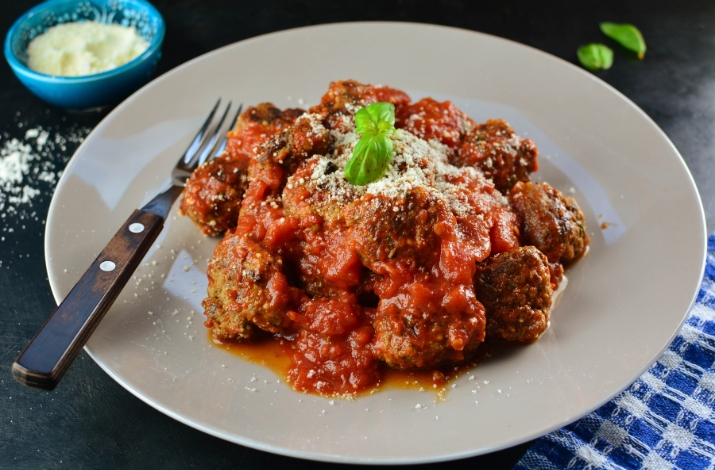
x: 212, y: 196
x: 345, y: 94
x: 293, y: 145
x: 255, y: 125
x: 379, y: 233
x: 515, y: 289
x: 550, y: 221
x: 502, y: 155
x: 247, y: 290
x: 304, y: 196
x: 344, y: 98
x: 419, y: 328
x: 419, y: 322
x: 432, y: 120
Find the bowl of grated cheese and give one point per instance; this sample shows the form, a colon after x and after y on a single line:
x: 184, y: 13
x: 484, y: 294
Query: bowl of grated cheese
x: 82, y: 54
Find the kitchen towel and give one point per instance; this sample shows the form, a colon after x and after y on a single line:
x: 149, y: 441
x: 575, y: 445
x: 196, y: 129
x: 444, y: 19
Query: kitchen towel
x: 666, y: 419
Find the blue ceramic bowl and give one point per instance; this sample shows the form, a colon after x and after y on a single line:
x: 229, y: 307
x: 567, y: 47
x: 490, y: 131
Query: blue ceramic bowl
x: 90, y: 90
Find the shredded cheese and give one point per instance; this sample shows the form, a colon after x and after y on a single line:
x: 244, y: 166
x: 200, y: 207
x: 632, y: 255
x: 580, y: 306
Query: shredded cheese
x: 416, y: 163
x: 84, y: 48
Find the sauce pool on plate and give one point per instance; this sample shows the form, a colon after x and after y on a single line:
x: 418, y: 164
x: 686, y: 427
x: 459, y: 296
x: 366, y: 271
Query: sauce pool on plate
x: 275, y: 356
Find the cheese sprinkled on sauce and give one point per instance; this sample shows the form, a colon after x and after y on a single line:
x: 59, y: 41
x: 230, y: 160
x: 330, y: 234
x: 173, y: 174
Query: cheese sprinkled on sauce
x: 85, y: 48
x: 415, y: 163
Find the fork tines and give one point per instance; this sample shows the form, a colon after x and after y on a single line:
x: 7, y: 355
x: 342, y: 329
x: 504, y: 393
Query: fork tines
x: 207, y: 144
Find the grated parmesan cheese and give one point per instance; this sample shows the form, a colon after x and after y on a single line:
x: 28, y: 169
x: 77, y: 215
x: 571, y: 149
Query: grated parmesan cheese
x: 415, y: 163
x: 84, y: 48
x: 26, y: 169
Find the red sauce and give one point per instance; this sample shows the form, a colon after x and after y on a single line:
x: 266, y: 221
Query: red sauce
x: 431, y: 119
x: 273, y: 353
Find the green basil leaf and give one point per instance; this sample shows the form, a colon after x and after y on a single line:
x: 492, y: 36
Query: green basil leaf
x: 382, y: 145
x: 626, y: 35
x: 364, y: 125
x: 370, y: 159
x: 373, y: 152
x: 375, y: 118
x: 595, y: 56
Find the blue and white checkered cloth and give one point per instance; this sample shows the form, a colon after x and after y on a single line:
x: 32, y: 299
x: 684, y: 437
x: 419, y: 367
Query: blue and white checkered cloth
x: 666, y: 419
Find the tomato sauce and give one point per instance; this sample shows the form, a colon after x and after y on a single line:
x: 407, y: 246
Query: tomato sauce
x: 273, y: 353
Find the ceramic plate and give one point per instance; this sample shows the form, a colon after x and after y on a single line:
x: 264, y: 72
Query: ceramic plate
x: 624, y: 303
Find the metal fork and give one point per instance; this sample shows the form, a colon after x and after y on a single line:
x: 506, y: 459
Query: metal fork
x: 47, y: 357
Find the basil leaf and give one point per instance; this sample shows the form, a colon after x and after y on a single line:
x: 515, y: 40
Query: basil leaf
x: 364, y: 124
x: 373, y: 152
x: 368, y: 162
x: 378, y: 117
x: 595, y: 56
x: 626, y: 35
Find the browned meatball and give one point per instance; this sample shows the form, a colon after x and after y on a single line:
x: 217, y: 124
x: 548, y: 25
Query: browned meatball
x: 255, y: 125
x: 345, y: 97
x: 244, y: 291
x: 344, y: 94
x: 303, y: 196
x: 550, y: 221
x: 293, y: 145
x: 427, y: 335
x: 434, y: 120
x: 380, y: 233
x: 502, y: 155
x: 213, y: 194
x: 419, y: 322
x: 515, y: 289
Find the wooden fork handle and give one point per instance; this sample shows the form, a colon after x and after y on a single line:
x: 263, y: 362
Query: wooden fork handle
x: 50, y: 353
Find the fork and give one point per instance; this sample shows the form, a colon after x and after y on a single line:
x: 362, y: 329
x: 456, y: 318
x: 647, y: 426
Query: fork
x: 44, y: 361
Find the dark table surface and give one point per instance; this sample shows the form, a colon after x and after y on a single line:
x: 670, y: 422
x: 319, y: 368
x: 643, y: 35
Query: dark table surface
x: 89, y: 421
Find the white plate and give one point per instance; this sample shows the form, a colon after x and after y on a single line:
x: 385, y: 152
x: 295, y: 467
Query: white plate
x: 625, y: 301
